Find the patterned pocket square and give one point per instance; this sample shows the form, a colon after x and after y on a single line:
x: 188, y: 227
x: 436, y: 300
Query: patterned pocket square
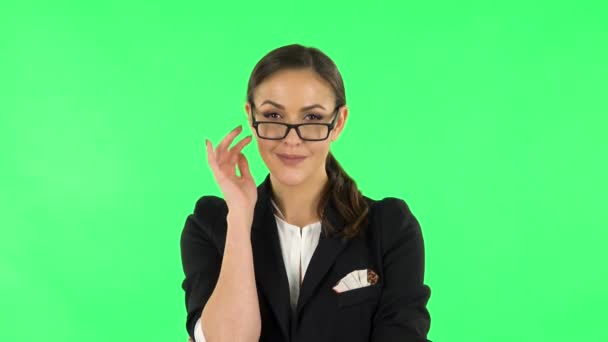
x: 356, y: 279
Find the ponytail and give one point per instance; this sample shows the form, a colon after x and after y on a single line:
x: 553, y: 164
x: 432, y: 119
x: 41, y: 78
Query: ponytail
x: 343, y: 193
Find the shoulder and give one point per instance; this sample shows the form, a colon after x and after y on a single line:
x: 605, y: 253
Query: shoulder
x: 394, y: 210
x: 389, y: 210
x: 393, y: 220
x: 210, y: 206
x: 205, y: 216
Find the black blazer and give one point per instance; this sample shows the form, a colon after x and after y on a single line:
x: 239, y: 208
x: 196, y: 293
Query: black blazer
x: 393, y: 309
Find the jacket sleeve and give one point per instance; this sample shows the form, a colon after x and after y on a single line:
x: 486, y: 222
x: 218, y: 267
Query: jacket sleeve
x: 201, y: 261
x: 401, y: 314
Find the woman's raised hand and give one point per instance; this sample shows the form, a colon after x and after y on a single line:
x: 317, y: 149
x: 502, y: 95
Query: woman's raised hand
x: 240, y: 192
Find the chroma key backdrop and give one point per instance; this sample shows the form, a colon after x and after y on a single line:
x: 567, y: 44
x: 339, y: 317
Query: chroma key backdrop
x: 488, y: 118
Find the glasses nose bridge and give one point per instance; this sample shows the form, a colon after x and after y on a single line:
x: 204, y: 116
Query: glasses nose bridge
x: 296, y: 128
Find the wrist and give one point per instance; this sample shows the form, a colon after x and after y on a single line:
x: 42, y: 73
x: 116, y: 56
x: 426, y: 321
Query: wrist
x: 240, y: 217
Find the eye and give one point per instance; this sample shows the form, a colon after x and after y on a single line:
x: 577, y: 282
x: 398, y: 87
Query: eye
x: 269, y: 115
x: 316, y: 116
x: 272, y: 116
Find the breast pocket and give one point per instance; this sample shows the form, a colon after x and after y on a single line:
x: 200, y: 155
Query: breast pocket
x: 359, y: 295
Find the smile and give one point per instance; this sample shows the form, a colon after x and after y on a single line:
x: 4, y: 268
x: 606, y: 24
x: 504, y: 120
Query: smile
x: 291, y: 161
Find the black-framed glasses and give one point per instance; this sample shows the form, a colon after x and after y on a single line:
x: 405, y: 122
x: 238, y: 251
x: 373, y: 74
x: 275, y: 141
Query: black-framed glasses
x: 272, y: 130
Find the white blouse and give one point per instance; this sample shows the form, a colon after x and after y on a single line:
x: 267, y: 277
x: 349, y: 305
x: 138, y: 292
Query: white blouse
x: 297, y: 246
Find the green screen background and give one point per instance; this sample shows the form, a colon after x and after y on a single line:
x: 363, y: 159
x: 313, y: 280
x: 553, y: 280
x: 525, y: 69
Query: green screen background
x: 488, y: 119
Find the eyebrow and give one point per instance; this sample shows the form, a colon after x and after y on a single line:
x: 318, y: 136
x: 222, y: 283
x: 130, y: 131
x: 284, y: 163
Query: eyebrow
x: 301, y: 109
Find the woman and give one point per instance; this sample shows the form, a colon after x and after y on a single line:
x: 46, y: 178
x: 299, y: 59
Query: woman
x: 304, y: 256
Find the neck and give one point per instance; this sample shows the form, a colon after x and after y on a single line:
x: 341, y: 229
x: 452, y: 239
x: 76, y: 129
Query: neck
x: 298, y: 203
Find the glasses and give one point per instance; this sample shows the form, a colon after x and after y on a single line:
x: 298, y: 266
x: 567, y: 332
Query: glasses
x: 271, y: 130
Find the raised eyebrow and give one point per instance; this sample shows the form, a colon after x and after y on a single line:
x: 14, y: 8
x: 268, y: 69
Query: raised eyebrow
x: 305, y: 108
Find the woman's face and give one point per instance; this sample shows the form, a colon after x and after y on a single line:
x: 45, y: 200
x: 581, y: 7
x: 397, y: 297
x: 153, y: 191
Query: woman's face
x: 294, y: 89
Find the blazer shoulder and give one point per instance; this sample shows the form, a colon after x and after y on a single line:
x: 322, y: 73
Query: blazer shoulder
x: 394, y: 208
x: 210, y: 203
x: 206, y: 214
x: 395, y: 217
x: 387, y: 204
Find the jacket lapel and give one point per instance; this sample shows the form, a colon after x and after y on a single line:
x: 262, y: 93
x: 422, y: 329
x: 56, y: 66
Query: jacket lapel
x: 269, y: 266
x: 323, y: 257
x: 268, y: 260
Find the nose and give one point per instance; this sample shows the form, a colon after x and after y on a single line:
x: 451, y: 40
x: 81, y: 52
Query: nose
x: 292, y: 137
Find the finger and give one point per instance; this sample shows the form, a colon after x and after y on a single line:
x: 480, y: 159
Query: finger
x: 208, y: 150
x: 236, y: 149
x: 244, y: 166
x: 223, y: 145
x: 211, y: 156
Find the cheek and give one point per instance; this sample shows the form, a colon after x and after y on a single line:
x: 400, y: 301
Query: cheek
x: 266, y: 152
x: 318, y: 155
x: 321, y: 150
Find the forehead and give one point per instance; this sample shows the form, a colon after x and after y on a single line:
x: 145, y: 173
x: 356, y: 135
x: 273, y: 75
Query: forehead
x: 295, y: 89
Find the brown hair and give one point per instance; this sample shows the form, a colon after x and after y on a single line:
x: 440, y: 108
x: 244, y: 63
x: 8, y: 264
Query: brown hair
x: 340, y: 189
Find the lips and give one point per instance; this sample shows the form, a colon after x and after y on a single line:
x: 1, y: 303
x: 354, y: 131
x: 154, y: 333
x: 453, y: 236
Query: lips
x: 290, y: 162
x: 291, y: 156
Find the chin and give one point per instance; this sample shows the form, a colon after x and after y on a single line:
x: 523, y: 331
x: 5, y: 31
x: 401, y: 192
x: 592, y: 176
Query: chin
x: 290, y: 176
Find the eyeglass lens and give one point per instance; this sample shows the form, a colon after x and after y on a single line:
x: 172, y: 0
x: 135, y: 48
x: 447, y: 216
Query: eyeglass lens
x: 309, y: 132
